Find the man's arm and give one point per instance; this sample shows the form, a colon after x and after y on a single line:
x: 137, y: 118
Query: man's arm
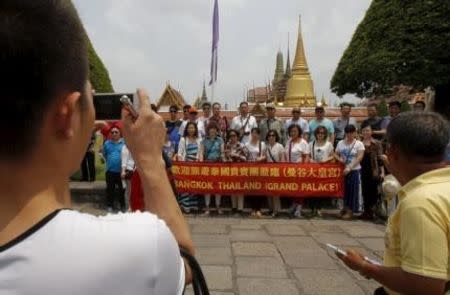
x: 145, y: 138
x: 395, y: 278
x: 424, y: 253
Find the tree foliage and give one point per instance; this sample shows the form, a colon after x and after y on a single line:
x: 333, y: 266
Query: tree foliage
x: 99, y: 75
x: 406, y: 107
x: 398, y: 42
x: 382, y: 108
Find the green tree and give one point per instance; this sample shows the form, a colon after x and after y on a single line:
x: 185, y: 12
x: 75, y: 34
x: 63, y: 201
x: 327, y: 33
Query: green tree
x: 406, y: 107
x: 399, y: 42
x: 382, y: 108
x: 98, y: 73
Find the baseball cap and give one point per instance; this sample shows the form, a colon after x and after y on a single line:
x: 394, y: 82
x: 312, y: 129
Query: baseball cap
x: 193, y: 110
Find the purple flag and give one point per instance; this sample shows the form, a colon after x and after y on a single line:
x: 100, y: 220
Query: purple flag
x: 215, y: 44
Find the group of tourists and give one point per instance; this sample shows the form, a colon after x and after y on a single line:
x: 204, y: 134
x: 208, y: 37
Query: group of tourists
x: 210, y: 138
x: 359, y: 146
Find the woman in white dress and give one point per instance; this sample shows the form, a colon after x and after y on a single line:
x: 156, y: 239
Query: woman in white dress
x: 274, y: 154
x: 256, y: 153
x: 322, y: 151
x: 297, y: 151
x: 350, y: 152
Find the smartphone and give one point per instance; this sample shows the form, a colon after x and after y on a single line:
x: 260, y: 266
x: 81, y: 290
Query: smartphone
x: 342, y: 252
x: 108, y: 106
x: 336, y: 249
x: 128, y: 104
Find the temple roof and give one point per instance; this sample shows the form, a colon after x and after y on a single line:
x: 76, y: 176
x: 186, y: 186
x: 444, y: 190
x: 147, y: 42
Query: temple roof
x: 169, y: 97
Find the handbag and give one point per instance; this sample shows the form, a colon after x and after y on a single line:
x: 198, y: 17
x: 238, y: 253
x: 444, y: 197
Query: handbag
x: 198, y: 279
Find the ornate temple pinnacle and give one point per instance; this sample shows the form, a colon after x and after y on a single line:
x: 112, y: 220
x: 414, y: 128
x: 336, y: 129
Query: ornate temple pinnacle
x: 279, y: 70
x: 204, y: 96
x: 288, y: 63
x: 300, y: 88
x: 300, y: 66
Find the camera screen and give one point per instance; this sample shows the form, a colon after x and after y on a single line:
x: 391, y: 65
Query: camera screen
x: 108, y: 106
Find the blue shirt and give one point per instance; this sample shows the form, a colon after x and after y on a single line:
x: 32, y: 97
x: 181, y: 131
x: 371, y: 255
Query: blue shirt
x: 113, y: 155
x: 212, y: 149
x: 313, y: 124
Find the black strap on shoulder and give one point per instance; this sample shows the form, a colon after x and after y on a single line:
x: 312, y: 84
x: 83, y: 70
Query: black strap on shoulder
x: 198, y: 279
x: 271, y: 155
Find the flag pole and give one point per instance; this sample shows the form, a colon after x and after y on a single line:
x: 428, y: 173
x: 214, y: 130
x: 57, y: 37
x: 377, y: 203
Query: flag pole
x: 214, y: 52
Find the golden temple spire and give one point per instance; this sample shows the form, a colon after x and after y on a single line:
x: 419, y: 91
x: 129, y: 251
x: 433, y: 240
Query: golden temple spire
x: 300, y: 89
x: 300, y: 66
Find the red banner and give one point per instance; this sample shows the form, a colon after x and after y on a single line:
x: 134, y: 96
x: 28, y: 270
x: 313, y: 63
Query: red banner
x: 269, y: 179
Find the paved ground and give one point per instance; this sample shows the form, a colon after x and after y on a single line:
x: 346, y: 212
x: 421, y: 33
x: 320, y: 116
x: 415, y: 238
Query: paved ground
x: 280, y: 256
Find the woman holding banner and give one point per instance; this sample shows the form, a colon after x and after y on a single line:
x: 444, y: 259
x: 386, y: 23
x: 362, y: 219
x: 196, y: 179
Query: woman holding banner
x: 274, y: 154
x: 235, y: 151
x: 297, y: 151
x: 189, y: 151
x: 350, y: 152
x: 322, y: 151
x: 256, y: 153
x: 212, y: 150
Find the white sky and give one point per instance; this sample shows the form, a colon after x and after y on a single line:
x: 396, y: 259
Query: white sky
x: 145, y: 43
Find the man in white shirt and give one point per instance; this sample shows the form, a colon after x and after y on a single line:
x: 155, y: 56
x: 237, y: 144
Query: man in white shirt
x: 297, y: 120
x: 244, y: 123
x: 44, y: 248
x: 193, y: 118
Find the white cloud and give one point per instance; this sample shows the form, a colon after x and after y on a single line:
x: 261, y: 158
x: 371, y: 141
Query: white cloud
x: 147, y: 43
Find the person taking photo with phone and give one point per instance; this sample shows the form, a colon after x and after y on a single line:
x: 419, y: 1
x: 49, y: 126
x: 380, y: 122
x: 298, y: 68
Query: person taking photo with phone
x: 46, y: 248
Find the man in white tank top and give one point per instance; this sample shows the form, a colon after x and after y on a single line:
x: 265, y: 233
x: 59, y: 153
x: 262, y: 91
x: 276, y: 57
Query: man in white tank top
x: 44, y: 247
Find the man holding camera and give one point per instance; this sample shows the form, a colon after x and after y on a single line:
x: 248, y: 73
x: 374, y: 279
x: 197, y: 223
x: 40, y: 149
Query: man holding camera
x: 44, y: 247
x: 244, y: 123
